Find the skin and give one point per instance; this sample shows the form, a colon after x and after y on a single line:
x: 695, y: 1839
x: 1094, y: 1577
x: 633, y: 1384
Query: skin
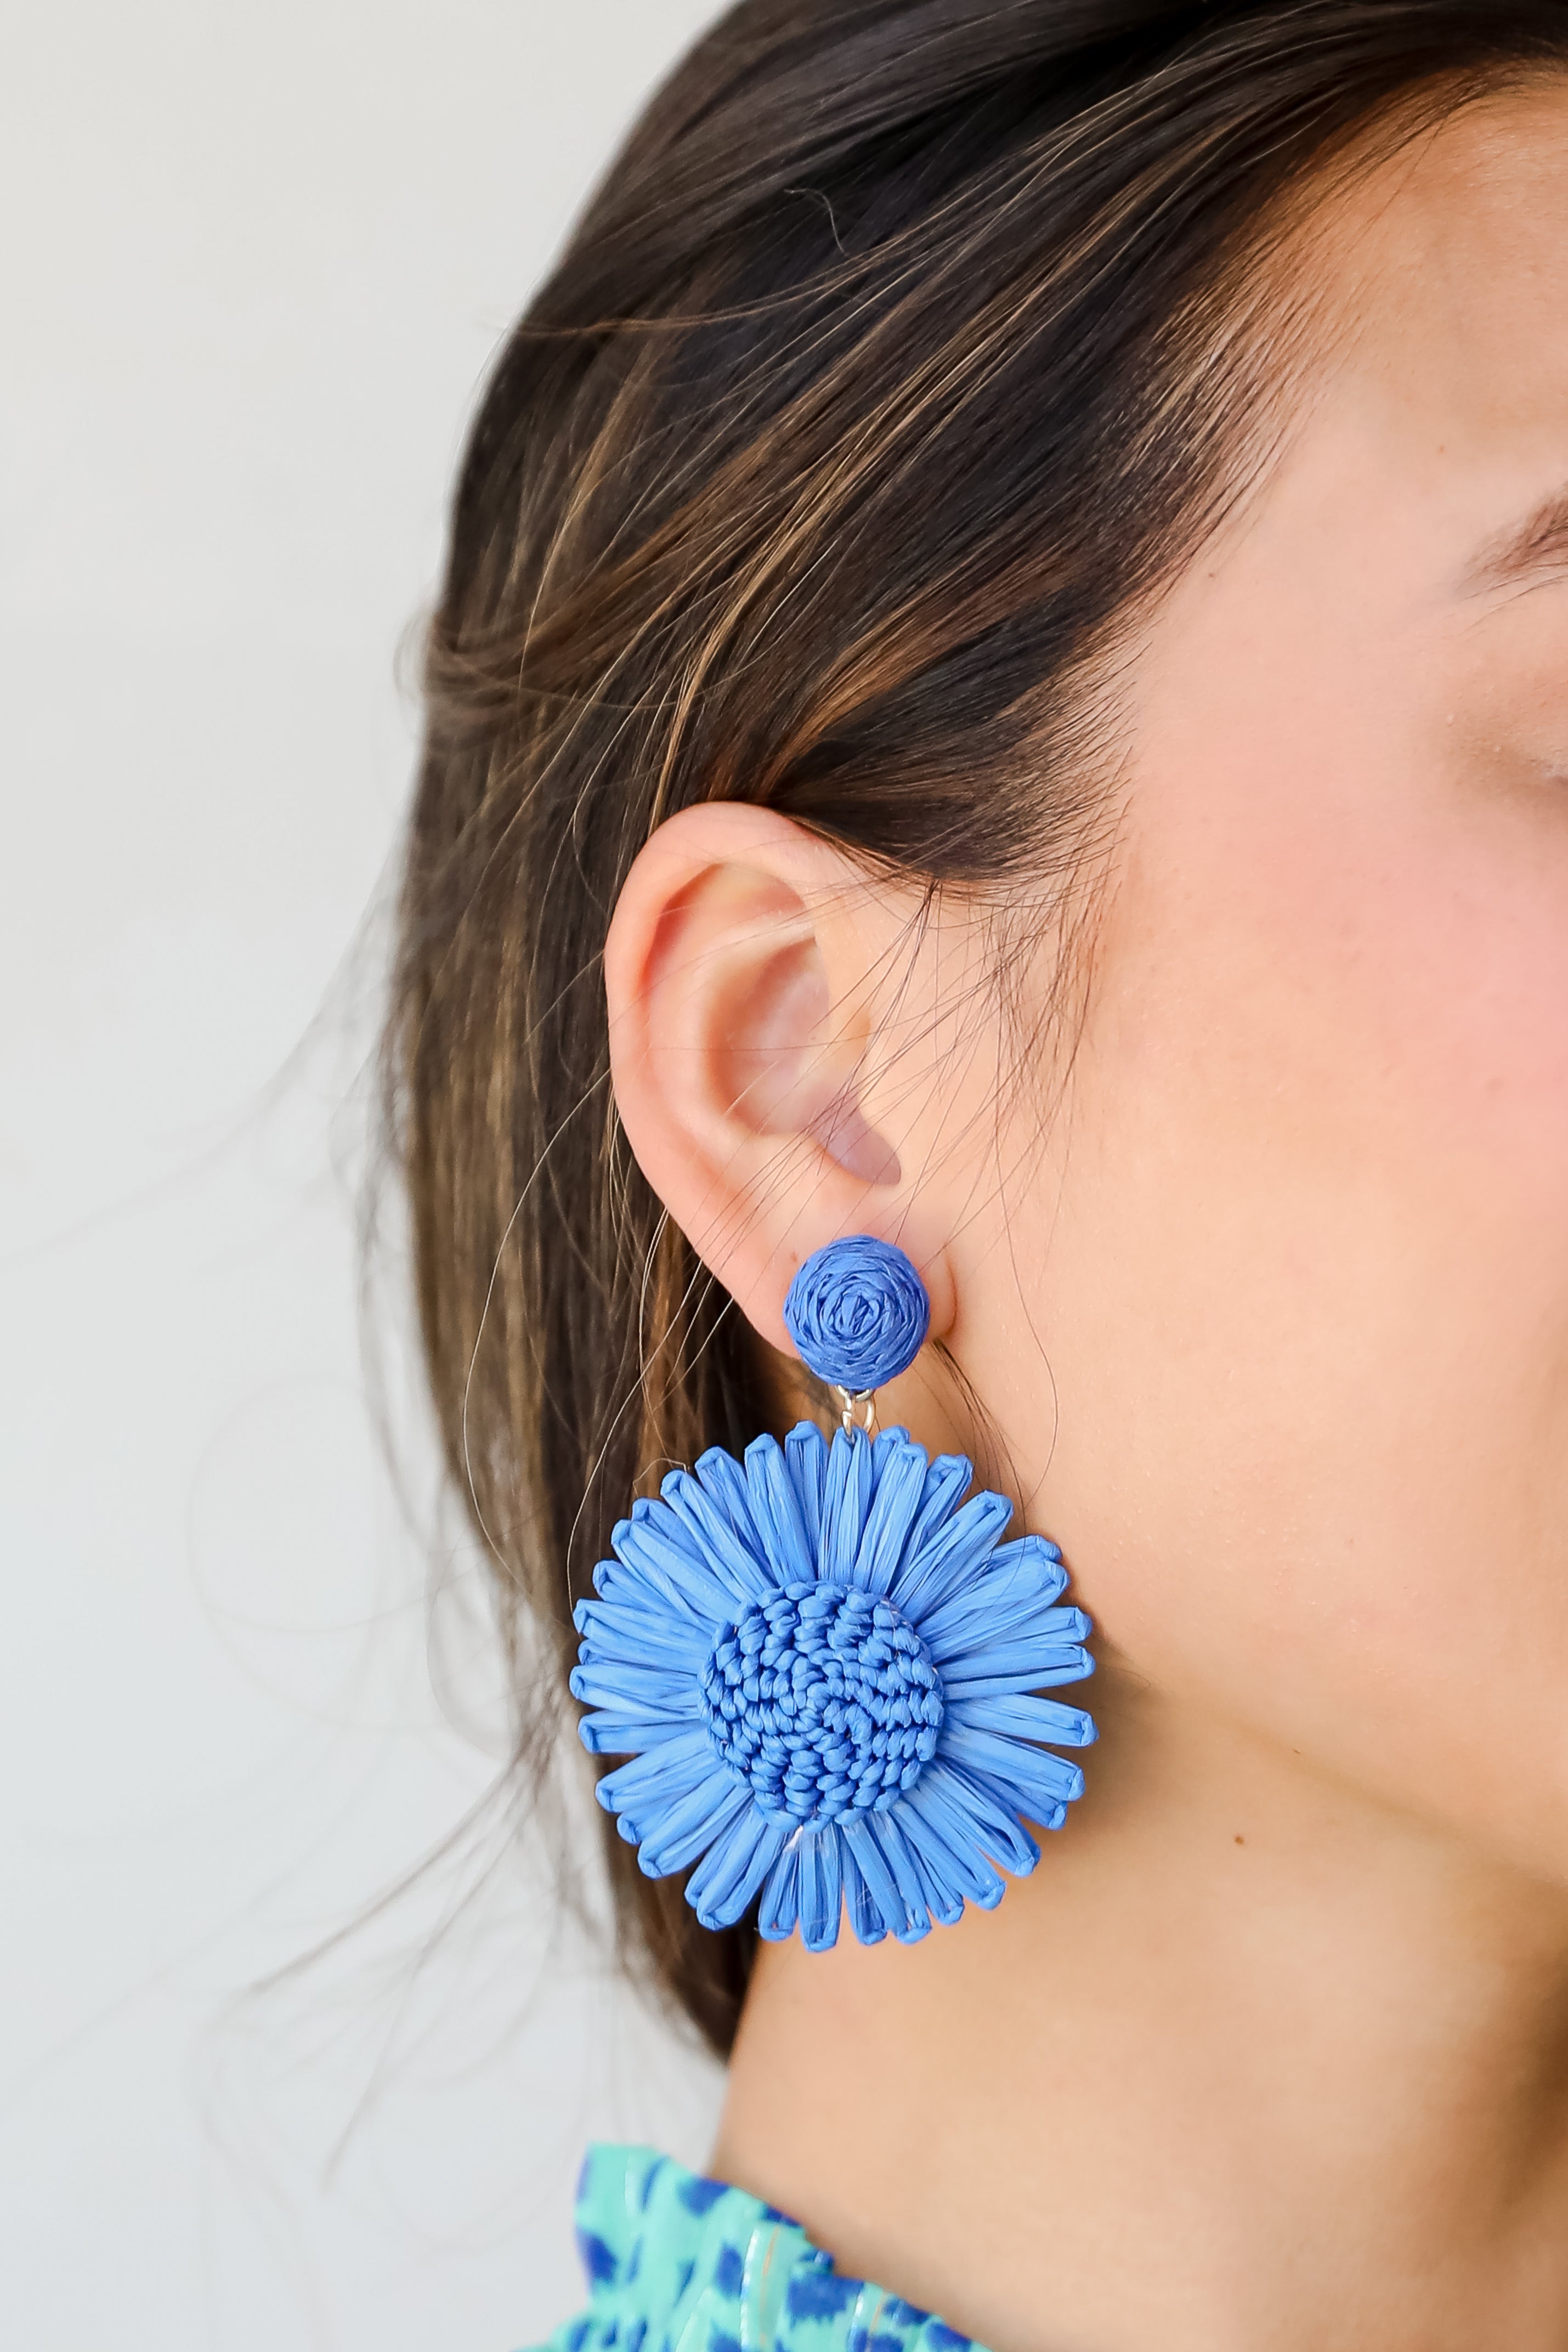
x: 1265, y: 1292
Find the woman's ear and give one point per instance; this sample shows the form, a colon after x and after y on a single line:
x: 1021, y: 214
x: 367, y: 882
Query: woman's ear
x: 747, y: 969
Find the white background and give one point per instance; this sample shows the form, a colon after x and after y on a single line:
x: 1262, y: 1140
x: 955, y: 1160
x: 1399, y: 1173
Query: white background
x: 255, y: 262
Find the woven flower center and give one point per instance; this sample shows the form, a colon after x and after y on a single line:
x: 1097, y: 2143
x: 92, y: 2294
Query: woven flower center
x: 826, y: 1699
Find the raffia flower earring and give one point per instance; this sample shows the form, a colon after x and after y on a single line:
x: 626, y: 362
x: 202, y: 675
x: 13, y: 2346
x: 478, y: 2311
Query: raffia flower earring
x: 824, y: 1663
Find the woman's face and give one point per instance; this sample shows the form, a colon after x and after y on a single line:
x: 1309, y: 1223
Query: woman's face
x: 1299, y: 1264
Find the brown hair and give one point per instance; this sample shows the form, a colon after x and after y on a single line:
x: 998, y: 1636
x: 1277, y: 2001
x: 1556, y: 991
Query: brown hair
x: 895, y: 362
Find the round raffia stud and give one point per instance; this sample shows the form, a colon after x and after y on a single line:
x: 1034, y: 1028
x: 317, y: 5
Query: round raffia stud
x: 858, y: 1313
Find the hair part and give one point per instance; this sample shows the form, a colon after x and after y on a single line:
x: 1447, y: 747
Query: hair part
x: 906, y: 350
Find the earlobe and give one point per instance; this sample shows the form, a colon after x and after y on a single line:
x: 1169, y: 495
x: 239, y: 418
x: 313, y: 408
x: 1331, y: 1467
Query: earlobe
x: 741, y: 1026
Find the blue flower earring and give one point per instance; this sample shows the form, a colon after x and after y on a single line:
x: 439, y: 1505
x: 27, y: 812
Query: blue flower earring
x: 824, y: 1662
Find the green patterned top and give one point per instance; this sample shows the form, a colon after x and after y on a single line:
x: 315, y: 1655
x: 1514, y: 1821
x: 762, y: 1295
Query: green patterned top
x: 679, y: 2264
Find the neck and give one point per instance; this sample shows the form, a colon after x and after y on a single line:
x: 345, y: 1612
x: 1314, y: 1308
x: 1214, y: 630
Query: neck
x: 1244, y: 2060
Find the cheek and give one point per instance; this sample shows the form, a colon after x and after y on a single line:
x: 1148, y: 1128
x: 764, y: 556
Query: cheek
x: 1305, y: 1298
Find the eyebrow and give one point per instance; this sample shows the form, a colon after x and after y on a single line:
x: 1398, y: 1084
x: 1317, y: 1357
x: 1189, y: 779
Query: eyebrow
x: 1523, y: 552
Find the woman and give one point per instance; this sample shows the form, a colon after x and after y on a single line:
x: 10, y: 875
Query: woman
x: 1003, y: 686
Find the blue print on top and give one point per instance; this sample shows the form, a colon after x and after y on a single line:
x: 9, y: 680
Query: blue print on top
x: 598, y: 2261
x: 729, y: 2271
x: 821, y: 2297
x: 701, y: 2195
x: 674, y: 2261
